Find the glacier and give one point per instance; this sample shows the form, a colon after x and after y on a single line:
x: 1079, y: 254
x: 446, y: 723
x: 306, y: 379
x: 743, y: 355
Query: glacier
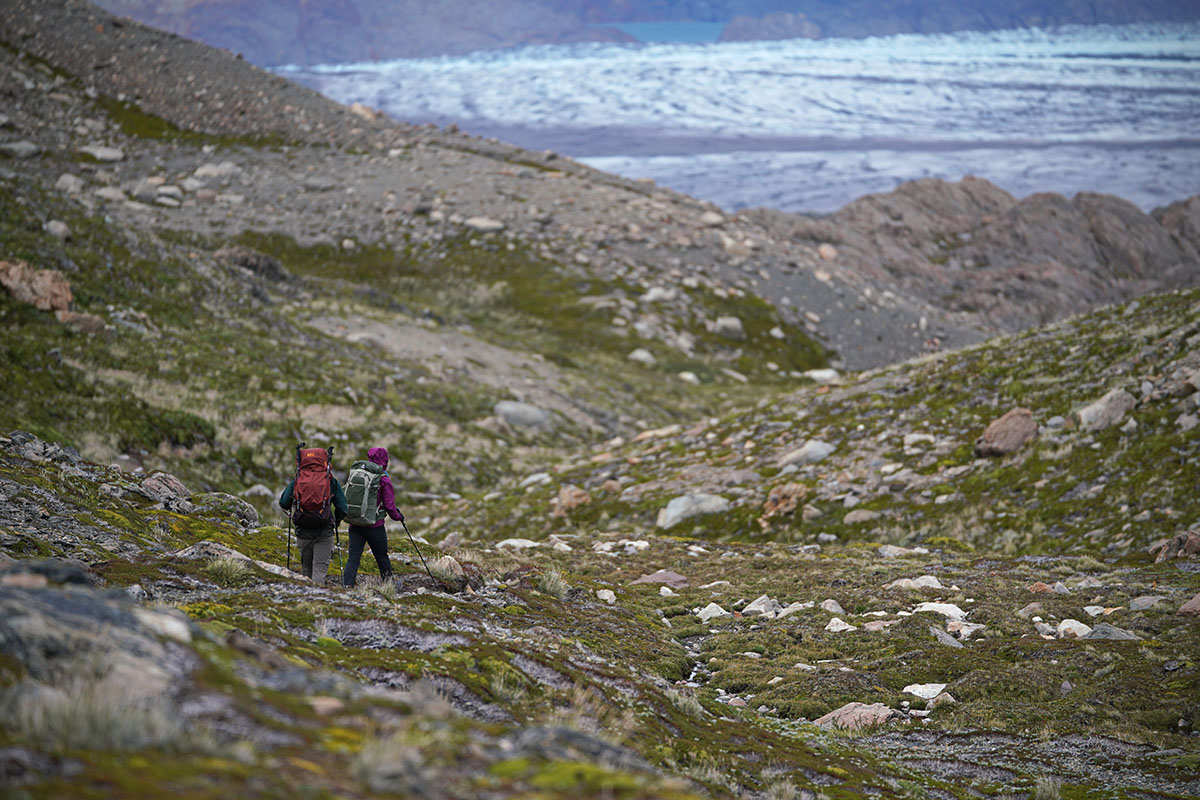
x: 810, y: 125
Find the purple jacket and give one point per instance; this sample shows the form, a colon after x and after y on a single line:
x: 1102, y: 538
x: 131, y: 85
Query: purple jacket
x: 387, y: 494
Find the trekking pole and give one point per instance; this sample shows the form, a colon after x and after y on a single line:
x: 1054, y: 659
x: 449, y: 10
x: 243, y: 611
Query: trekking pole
x: 289, y: 530
x: 337, y: 534
x: 414, y: 544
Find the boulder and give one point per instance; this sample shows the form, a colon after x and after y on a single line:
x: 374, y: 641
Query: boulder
x: 58, y: 229
x: 102, y: 153
x: 163, y: 487
x: 20, y: 149
x: 664, y: 576
x: 71, y: 184
x: 517, y: 544
x: 208, y: 550
x: 1106, y: 631
x: 947, y: 610
x: 943, y: 637
x: 1007, y: 435
x: 762, y: 606
x: 606, y: 595
x: 712, y: 611
x: 524, y: 416
x: 857, y: 716
x: 729, y: 328
x: 690, y: 505
x: 837, y: 625
x: 925, y: 691
x: 1072, y: 629
x: 1145, y: 602
x: 860, y: 515
x: 643, y: 356
x: 1181, y: 544
x: 923, y: 582
x: 45, y: 289
x: 81, y: 321
x: 1106, y: 411
x: 1191, y: 608
x: 449, y: 573
x: 229, y: 505
x: 811, y: 452
x: 484, y: 224
x: 832, y: 606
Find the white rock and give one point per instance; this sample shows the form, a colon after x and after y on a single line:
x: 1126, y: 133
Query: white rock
x: 1072, y: 629
x: 712, y: 611
x: 836, y: 625
x: 730, y: 328
x: 523, y: 415
x: 964, y: 630
x: 687, y: 376
x: 811, y: 452
x: 762, y: 606
x: 792, y: 608
x: 110, y: 193
x: 667, y: 591
x: 484, y: 224
x: 923, y: 582
x: 517, y: 544
x: 711, y: 219
x: 822, y: 376
x: 1093, y: 611
x: 21, y: 149
x: 69, y: 183
x: 859, y: 515
x: 832, y: 606
x: 101, y: 153
x: 606, y: 595
x: 643, y: 356
x: 947, y: 610
x: 690, y: 505
x: 58, y: 229
x: 222, y: 170
x: 914, y: 439
x: 658, y: 294
x: 925, y: 691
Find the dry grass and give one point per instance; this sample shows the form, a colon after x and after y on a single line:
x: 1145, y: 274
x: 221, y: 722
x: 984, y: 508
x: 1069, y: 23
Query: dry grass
x: 1047, y: 787
x: 551, y: 582
x: 229, y: 571
x: 687, y: 703
x: 393, y: 765
x: 89, y: 714
x: 587, y: 710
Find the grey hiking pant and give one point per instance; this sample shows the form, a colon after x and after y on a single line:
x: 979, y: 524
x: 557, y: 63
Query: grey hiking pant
x: 315, y: 553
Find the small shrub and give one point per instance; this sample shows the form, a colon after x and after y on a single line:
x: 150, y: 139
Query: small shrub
x: 551, y: 582
x: 229, y: 571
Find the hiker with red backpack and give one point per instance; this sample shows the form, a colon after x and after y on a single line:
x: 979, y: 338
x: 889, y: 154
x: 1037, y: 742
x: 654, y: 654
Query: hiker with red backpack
x: 317, y: 506
x: 370, y: 500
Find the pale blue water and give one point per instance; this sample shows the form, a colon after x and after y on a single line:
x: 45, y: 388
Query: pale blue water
x: 811, y: 125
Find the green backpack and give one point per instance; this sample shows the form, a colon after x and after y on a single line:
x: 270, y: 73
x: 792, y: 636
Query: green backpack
x: 362, y: 494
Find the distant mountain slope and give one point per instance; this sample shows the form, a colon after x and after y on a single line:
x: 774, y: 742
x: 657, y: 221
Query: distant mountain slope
x: 274, y: 32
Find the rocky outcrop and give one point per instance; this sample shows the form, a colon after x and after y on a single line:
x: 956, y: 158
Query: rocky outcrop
x: 971, y: 247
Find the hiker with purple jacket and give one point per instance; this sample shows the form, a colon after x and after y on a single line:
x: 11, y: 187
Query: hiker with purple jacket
x: 371, y: 499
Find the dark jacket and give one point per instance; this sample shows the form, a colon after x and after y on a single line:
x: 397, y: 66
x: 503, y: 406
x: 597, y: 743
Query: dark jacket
x: 387, y: 493
x: 337, y: 496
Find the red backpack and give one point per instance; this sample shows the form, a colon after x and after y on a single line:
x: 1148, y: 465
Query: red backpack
x: 312, y: 494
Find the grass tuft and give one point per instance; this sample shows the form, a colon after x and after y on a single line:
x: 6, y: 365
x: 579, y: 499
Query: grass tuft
x: 551, y: 582
x: 229, y: 571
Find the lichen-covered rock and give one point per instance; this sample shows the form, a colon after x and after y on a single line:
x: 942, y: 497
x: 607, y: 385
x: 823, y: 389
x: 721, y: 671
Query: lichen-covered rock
x: 1181, y: 544
x: 227, y: 505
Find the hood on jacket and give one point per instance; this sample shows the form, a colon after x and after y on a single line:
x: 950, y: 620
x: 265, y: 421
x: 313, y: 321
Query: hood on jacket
x: 378, y: 455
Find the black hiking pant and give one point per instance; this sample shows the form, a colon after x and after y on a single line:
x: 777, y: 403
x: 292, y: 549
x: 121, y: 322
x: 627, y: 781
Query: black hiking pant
x: 377, y: 538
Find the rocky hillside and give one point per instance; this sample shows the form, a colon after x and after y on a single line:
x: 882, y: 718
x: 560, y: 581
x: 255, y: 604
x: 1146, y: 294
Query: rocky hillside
x: 273, y: 33
x: 688, y: 538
